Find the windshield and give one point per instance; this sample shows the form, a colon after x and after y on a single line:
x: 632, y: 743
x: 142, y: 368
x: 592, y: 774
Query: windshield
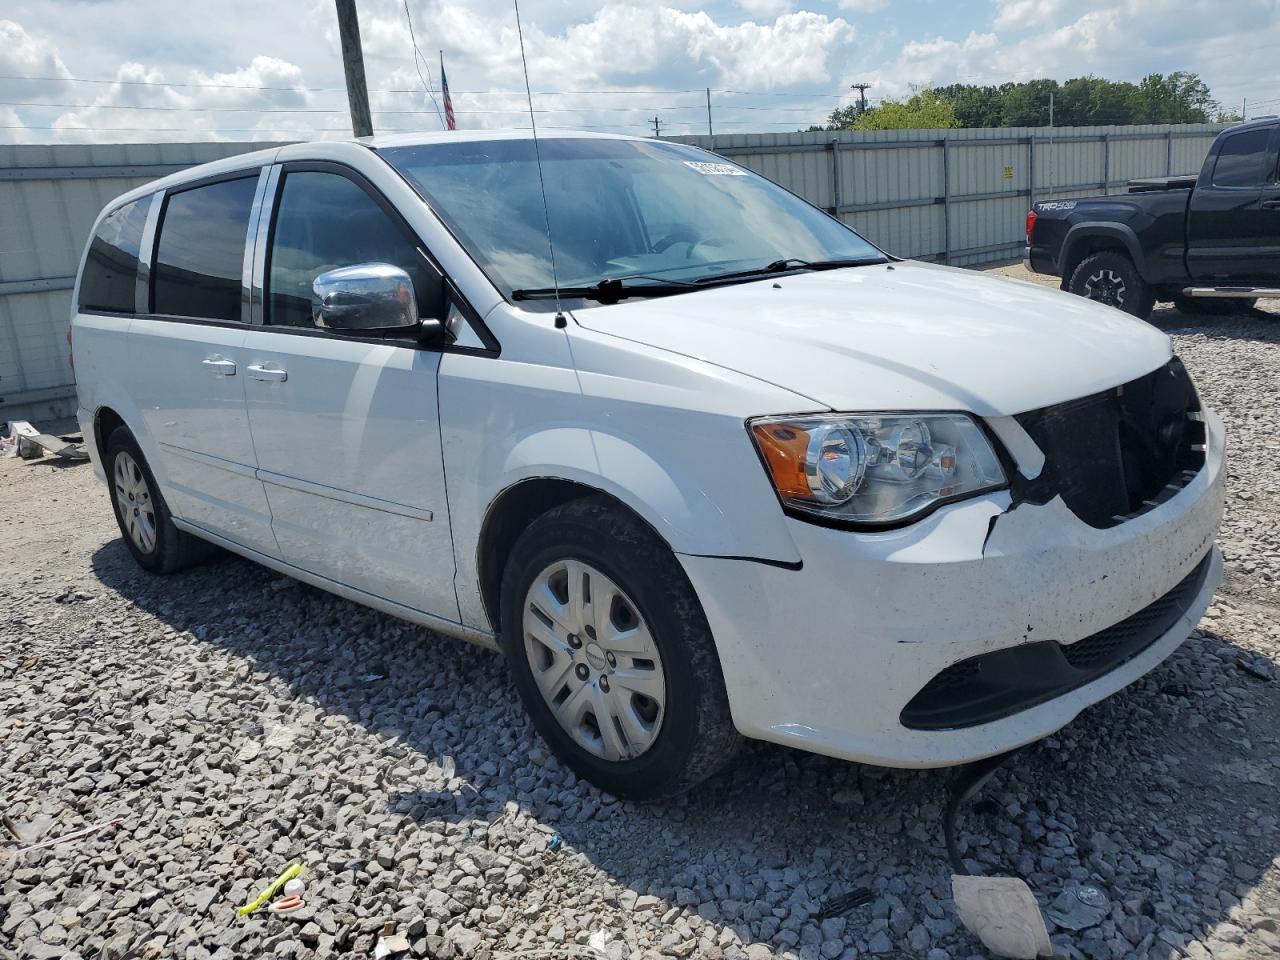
x: 646, y: 211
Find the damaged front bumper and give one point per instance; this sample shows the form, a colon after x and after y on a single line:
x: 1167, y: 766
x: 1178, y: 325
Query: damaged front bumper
x: 828, y: 657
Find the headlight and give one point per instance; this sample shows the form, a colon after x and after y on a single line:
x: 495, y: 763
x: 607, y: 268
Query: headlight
x: 875, y: 468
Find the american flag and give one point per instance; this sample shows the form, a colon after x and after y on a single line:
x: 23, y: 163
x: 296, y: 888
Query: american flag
x: 450, y: 120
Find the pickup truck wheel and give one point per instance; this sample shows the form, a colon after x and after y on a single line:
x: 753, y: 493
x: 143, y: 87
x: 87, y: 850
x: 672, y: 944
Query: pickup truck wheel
x: 1214, y: 306
x: 611, y: 653
x: 1111, y: 278
x: 145, y: 522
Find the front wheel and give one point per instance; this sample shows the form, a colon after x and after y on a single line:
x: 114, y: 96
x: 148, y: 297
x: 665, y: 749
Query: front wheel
x: 611, y: 653
x: 1110, y: 277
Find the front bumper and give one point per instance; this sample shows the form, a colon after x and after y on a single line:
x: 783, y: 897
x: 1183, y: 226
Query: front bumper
x: 827, y: 657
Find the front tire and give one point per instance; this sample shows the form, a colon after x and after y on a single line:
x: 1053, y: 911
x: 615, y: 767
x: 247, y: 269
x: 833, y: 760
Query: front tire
x: 145, y: 522
x: 611, y: 653
x: 1111, y: 278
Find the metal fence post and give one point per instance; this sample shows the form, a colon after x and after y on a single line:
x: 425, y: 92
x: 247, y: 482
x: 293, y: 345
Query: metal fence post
x: 946, y: 199
x: 1031, y: 168
x: 835, y: 177
x: 1106, y: 164
x: 1168, y: 152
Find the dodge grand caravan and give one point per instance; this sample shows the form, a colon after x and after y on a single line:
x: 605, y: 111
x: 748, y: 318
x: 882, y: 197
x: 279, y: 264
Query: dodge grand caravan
x: 699, y: 459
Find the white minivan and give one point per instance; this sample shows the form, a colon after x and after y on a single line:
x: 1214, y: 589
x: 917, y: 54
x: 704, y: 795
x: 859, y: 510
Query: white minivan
x: 699, y: 459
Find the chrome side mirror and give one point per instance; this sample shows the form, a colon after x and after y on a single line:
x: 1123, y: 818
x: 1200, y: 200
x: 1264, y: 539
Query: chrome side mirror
x: 368, y: 298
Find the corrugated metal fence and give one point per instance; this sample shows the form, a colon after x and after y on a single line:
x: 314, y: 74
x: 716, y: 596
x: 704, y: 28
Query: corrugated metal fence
x: 960, y: 196
x: 49, y: 197
x: 954, y: 195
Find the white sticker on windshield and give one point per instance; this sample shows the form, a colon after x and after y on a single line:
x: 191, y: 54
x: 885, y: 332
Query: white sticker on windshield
x: 716, y: 169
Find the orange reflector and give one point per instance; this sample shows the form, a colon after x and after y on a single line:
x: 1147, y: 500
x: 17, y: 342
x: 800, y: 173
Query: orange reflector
x: 785, y: 447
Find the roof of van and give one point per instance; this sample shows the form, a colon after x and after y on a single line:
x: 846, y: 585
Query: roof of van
x: 454, y: 136
x: 242, y: 161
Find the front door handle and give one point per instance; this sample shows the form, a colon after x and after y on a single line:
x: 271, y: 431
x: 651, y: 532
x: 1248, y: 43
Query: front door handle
x: 1271, y: 204
x: 270, y: 374
x: 220, y: 366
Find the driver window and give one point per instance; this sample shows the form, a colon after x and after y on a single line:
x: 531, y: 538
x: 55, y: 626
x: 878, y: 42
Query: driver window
x: 325, y: 221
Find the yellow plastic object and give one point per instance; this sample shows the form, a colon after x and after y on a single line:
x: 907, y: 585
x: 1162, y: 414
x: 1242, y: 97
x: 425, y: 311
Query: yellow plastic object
x: 271, y: 891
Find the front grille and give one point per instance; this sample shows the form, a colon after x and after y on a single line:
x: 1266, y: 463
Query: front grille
x: 1114, y: 455
x: 994, y: 685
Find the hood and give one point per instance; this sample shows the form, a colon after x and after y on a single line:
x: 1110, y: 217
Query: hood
x: 903, y: 336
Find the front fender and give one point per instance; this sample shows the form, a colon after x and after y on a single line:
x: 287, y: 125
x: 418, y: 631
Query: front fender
x: 667, y: 440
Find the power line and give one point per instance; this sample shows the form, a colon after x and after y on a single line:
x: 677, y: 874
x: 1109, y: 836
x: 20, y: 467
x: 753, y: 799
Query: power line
x: 39, y: 104
x: 417, y: 56
x: 411, y: 90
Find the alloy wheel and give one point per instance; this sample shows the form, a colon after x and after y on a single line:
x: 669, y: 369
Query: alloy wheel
x: 133, y: 499
x: 1106, y: 286
x: 594, y: 660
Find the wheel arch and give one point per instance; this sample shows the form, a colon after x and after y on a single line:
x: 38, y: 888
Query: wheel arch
x: 105, y: 421
x: 1086, y: 239
x: 511, y: 513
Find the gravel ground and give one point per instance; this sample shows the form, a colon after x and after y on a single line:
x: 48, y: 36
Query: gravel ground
x: 238, y: 721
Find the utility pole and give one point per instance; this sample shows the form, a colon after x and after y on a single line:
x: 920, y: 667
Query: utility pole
x: 862, y: 96
x: 1244, y: 108
x: 657, y: 132
x: 710, y: 132
x: 353, y: 65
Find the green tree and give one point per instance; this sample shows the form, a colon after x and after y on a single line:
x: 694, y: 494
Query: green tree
x: 925, y: 110
x: 1180, y: 97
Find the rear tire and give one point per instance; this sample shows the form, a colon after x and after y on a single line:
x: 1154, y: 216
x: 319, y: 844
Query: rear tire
x: 1214, y: 306
x: 612, y: 654
x: 1110, y: 277
x: 145, y: 522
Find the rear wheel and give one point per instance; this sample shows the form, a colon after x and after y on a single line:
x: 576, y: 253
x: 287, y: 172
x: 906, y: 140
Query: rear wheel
x: 1110, y: 277
x: 612, y: 654
x: 143, y: 516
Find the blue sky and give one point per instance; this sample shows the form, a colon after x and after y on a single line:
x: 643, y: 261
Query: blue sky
x: 258, y: 70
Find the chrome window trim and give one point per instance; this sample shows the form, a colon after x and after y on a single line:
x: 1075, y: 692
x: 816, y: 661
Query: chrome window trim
x: 146, y: 253
x: 250, y: 243
x: 260, y: 221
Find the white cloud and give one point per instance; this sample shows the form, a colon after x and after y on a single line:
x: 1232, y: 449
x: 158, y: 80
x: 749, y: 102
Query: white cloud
x: 775, y: 49
x: 22, y: 55
x: 1017, y: 14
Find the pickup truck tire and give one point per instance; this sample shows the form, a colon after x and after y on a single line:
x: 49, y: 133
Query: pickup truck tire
x: 145, y: 522
x: 1110, y: 277
x: 1214, y: 306
x: 594, y: 607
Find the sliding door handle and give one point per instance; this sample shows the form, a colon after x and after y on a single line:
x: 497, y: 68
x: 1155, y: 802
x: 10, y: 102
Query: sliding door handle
x: 270, y: 374
x: 219, y: 366
x: 1271, y: 204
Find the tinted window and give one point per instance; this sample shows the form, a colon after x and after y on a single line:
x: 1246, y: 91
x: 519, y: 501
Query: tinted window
x: 200, y: 257
x: 1243, y: 160
x: 325, y: 221
x: 111, y: 269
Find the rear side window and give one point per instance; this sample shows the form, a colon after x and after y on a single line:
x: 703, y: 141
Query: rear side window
x: 111, y: 268
x: 325, y: 221
x: 1243, y: 160
x: 200, y: 256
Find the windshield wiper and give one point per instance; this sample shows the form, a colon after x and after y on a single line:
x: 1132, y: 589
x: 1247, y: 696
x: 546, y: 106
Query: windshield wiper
x: 610, y: 290
x: 790, y: 263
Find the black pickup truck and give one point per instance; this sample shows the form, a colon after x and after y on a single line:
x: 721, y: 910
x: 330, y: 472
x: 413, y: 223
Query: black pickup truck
x: 1206, y: 243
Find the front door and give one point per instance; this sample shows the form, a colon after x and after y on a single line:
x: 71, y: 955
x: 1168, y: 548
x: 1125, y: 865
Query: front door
x: 1225, y: 221
x: 187, y: 371
x: 347, y: 430
x: 1269, y: 221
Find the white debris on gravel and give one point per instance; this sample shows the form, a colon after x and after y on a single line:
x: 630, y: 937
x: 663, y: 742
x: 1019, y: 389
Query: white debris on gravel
x: 239, y: 722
